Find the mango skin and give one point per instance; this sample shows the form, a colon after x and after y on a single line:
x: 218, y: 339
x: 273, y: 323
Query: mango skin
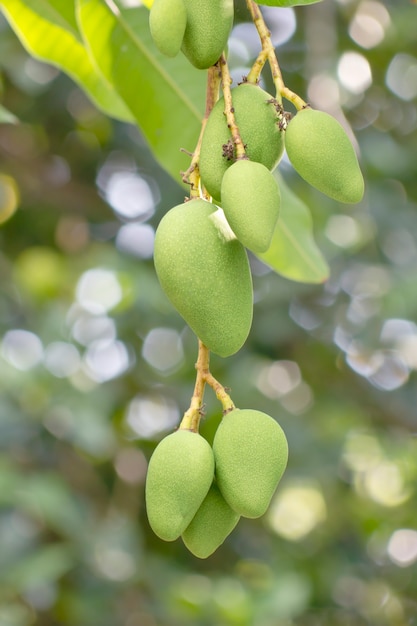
x: 321, y: 152
x: 210, y: 526
x: 251, y: 452
x: 251, y: 201
x: 205, y: 273
x: 257, y: 121
x: 167, y: 23
x: 179, y: 476
x: 209, y: 23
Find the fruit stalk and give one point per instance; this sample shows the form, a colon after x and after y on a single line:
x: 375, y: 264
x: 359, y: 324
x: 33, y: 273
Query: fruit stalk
x: 269, y: 51
x: 192, y: 416
x: 229, y: 110
x: 192, y: 175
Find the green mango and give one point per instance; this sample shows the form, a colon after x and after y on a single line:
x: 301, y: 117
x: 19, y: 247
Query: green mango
x: 251, y: 452
x: 209, y: 23
x: 321, y: 152
x: 257, y: 120
x: 205, y: 273
x: 180, y: 473
x: 210, y: 526
x: 167, y: 23
x: 251, y: 201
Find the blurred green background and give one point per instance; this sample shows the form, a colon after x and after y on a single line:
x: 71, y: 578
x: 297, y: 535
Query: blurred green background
x: 96, y: 366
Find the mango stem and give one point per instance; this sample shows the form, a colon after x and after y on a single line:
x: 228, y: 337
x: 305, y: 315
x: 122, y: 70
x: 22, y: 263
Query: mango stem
x: 192, y: 417
x: 268, y: 51
x: 192, y: 175
x: 229, y: 110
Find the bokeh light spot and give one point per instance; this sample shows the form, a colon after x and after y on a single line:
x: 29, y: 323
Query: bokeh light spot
x: 106, y: 360
x: 22, y: 349
x: 61, y: 359
x: 343, y: 230
x: 163, y: 349
x: 149, y: 416
x: 369, y: 24
x: 9, y: 197
x: 354, y: 72
x: 402, y: 547
x: 401, y: 77
x: 98, y: 291
x: 296, y: 510
x: 136, y: 239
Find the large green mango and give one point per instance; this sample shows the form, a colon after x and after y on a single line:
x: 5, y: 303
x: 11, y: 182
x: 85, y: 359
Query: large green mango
x: 257, y: 120
x: 179, y: 476
x: 204, y: 271
x: 251, y: 201
x: 251, y: 452
x: 210, y: 526
x: 209, y: 23
x: 321, y: 152
x: 167, y: 23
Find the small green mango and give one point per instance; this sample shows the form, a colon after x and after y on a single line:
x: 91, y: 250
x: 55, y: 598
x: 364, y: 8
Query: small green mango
x: 205, y: 273
x: 209, y: 23
x: 321, y: 152
x: 167, y: 23
x: 179, y: 476
x: 251, y: 452
x: 210, y: 526
x: 251, y: 201
x: 257, y: 120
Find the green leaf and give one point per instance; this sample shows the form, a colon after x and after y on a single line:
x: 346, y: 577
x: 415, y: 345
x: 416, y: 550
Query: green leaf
x: 48, y: 31
x: 6, y: 117
x: 166, y: 96
x: 287, y: 3
x: 293, y: 252
x: 44, y: 566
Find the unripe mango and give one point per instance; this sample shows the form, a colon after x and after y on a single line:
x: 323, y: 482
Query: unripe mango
x: 257, y: 120
x: 209, y: 23
x: 204, y: 271
x: 179, y: 476
x: 167, y: 22
x: 251, y: 201
x: 251, y: 452
x: 210, y: 526
x: 321, y: 152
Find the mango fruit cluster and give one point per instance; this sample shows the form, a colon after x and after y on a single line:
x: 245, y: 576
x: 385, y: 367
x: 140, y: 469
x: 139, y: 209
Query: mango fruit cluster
x: 200, y: 492
x: 199, y: 28
x: 199, y: 254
